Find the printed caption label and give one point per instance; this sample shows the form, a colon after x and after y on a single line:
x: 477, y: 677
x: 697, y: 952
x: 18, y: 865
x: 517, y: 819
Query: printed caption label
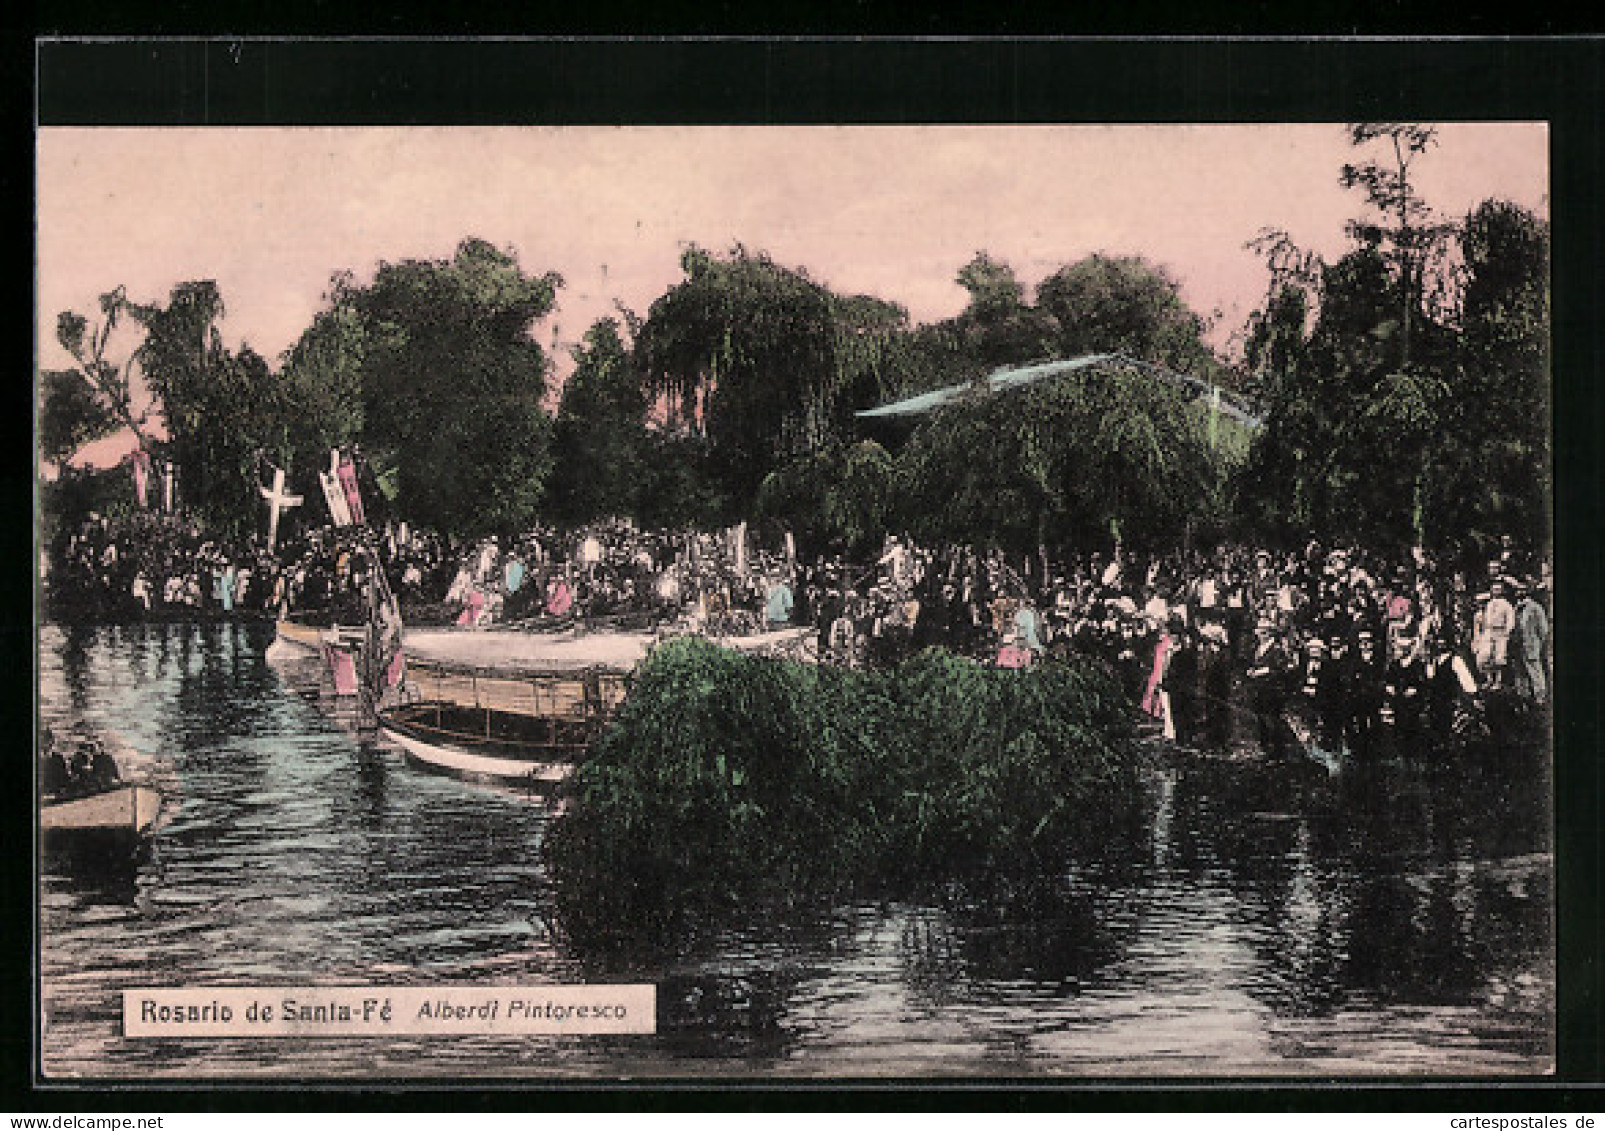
x: 399, y: 1011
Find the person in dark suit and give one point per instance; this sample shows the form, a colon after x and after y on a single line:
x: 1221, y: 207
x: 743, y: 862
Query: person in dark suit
x: 1181, y: 684
x: 1267, y: 677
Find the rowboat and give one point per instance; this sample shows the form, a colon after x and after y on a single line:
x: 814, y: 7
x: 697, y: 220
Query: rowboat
x: 489, y: 745
x: 120, y: 817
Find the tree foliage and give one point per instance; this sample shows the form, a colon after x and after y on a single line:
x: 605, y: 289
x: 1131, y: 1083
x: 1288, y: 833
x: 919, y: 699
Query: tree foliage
x: 71, y: 414
x: 1493, y: 450
x: 764, y: 363
x: 1064, y: 461
x: 599, y: 440
x: 1409, y: 237
x: 841, y: 498
x: 1414, y: 407
x: 112, y: 383
x: 219, y: 408
x: 322, y: 386
x: 453, y: 387
x: 1124, y: 304
x: 743, y: 351
x: 997, y: 327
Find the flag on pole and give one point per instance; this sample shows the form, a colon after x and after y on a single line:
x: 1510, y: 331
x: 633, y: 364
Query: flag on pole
x: 169, y: 486
x: 141, y: 460
x: 333, y: 493
x: 384, y: 661
x: 348, y: 486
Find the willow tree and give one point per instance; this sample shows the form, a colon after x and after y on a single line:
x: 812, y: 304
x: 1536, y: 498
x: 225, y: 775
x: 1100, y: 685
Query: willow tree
x: 754, y: 357
x: 1090, y: 455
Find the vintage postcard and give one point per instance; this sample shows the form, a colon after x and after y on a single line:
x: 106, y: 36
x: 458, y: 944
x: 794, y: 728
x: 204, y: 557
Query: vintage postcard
x: 949, y: 601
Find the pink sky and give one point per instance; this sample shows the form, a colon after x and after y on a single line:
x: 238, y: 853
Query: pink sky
x: 271, y: 213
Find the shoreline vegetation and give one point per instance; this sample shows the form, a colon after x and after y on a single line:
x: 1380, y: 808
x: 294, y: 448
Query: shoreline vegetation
x: 728, y: 781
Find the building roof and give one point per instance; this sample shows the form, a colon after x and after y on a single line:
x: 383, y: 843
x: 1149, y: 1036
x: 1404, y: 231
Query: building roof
x: 1001, y: 380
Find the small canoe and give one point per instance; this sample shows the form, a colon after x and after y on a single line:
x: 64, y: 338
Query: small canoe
x: 482, y: 744
x: 124, y: 813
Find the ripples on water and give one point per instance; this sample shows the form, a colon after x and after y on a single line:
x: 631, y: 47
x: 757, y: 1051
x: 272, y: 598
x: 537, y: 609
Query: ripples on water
x: 1271, y: 923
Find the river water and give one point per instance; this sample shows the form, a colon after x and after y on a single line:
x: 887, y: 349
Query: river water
x: 1397, y: 922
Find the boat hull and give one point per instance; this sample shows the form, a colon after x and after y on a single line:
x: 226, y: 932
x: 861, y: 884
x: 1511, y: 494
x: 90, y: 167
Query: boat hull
x: 313, y: 637
x: 477, y: 744
x: 119, y: 818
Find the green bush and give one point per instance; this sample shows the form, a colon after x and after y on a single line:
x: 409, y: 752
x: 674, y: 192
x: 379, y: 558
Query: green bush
x: 727, y: 779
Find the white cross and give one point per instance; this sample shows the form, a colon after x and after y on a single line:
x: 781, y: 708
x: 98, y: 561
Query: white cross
x: 278, y: 502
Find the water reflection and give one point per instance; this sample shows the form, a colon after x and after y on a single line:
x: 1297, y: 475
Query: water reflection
x: 1257, y: 919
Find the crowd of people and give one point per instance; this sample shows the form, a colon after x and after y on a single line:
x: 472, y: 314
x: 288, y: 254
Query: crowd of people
x: 155, y: 567
x: 1327, y: 646
x: 87, y: 768
x: 1332, y: 647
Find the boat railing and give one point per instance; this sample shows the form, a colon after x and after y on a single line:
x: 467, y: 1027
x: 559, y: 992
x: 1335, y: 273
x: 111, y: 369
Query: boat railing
x: 579, y: 693
x: 551, y: 737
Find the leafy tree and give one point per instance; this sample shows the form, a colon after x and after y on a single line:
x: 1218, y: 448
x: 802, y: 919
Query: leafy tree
x: 216, y: 407
x: 78, y: 406
x: 678, y: 488
x: 1065, y: 461
x: 1377, y: 431
x: 321, y: 388
x: 924, y: 357
x: 71, y: 414
x: 112, y: 382
x: 1100, y: 304
x: 998, y: 327
x: 1124, y: 304
x: 599, y: 440
x: 1410, y: 238
x: 839, y: 498
x: 1493, y: 449
x: 453, y: 388
x: 1336, y: 399
x: 871, y: 355
x: 754, y: 357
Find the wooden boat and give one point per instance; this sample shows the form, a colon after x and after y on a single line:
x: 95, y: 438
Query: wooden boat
x: 581, y: 692
x: 120, y: 817
x: 490, y: 745
x: 313, y: 637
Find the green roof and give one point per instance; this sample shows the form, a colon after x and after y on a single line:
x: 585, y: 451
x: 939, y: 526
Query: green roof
x: 1002, y: 380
